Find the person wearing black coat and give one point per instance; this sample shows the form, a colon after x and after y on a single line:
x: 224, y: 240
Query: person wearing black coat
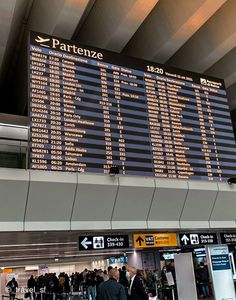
x: 111, y: 289
x: 12, y: 286
x: 203, y: 279
x: 136, y: 289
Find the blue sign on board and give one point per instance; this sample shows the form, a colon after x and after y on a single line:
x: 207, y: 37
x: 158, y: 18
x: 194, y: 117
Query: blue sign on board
x: 220, y: 262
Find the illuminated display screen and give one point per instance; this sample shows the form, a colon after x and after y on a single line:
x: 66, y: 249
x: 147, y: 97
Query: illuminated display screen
x: 91, y: 109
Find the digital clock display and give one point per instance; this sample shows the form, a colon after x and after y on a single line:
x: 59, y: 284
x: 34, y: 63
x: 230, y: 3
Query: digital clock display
x: 91, y: 109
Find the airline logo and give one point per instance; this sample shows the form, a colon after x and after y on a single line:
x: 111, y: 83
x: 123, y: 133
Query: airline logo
x: 42, y: 41
x: 210, y: 83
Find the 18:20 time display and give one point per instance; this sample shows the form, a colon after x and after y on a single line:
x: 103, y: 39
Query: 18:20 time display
x: 155, y: 69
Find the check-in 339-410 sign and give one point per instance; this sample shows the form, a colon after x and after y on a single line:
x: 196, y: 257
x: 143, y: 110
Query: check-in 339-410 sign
x: 100, y: 242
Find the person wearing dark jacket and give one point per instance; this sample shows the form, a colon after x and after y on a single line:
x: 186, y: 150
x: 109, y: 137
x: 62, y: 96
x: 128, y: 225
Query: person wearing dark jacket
x: 91, y: 285
x: 12, y: 286
x: 31, y: 284
x: 203, y: 279
x: 123, y: 279
x: 111, y: 289
x: 136, y: 289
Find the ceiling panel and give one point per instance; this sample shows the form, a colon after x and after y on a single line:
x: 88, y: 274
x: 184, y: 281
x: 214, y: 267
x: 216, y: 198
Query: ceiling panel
x: 225, y: 68
x: 57, y: 17
x: 133, y: 202
x: 50, y: 200
x: 210, y: 43
x: 94, y: 202
x: 167, y: 203
x: 6, y: 15
x: 111, y: 24
x: 169, y: 26
x: 14, y: 188
x: 224, y: 212
x: 199, y: 203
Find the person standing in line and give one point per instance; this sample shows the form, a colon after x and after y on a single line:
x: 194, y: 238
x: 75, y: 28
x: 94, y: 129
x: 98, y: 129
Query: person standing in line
x: 123, y: 279
x: 31, y: 284
x: 136, y: 289
x: 12, y: 286
x: 105, y: 275
x: 203, y: 279
x: 91, y: 285
x: 111, y: 289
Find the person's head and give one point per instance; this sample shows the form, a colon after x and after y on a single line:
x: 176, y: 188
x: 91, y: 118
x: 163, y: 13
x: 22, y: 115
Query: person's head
x: 132, y: 271
x: 139, y: 273
x: 114, y: 274
x: 109, y: 268
x: 124, y: 268
x: 202, y: 264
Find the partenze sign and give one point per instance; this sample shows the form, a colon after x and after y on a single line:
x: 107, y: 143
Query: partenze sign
x: 58, y: 45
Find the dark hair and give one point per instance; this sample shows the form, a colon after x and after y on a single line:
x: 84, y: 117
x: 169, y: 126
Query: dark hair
x: 109, y: 268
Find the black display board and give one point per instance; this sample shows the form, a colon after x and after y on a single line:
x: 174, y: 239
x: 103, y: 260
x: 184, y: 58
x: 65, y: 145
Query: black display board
x: 91, y: 109
x: 103, y: 242
x: 198, y: 238
x: 228, y: 237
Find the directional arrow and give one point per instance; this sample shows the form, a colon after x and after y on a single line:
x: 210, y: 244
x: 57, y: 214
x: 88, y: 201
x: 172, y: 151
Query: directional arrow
x: 185, y: 239
x: 85, y: 243
x: 140, y: 240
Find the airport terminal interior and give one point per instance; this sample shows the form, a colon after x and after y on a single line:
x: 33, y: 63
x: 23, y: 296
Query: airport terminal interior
x: 117, y: 149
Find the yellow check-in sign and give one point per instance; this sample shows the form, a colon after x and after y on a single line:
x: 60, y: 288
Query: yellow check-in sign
x: 152, y: 240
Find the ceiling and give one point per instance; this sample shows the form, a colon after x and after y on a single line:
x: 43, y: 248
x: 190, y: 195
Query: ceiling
x: 196, y: 35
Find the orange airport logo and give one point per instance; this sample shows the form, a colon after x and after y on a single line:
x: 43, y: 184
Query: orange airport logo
x: 155, y: 240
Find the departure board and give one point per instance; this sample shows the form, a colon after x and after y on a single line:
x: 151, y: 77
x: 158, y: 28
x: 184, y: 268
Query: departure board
x: 91, y: 109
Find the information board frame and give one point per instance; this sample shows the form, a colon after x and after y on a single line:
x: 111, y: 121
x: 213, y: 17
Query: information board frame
x: 164, y: 151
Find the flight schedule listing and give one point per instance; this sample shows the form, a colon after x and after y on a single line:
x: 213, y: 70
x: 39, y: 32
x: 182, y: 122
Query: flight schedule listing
x: 91, y: 109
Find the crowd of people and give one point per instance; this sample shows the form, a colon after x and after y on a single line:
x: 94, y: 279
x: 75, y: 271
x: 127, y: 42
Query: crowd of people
x: 111, y: 284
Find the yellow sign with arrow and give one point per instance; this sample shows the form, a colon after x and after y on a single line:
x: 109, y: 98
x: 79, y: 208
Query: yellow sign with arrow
x: 154, y: 240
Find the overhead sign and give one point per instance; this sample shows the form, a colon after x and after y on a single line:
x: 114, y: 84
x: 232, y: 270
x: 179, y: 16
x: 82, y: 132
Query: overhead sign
x: 85, y: 102
x: 228, y: 237
x: 103, y: 242
x: 151, y: 240
x: 198, y: 239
